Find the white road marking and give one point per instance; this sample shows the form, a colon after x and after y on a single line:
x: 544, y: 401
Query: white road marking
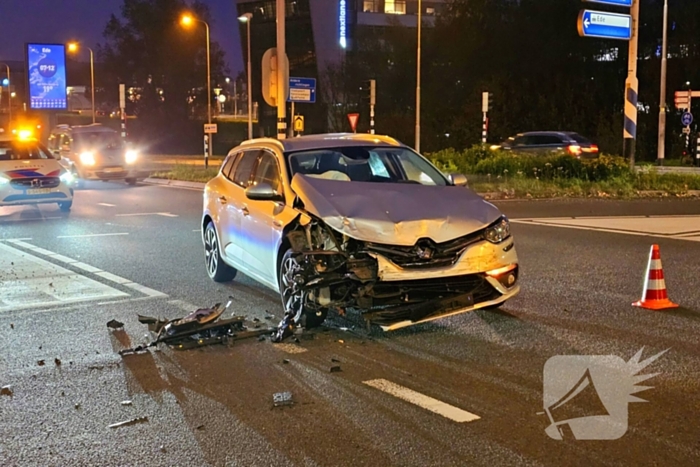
x: 290, y: 348
x: 197, y: 230
x: 113, y: 278
x: 91, y: 269
x: 30, y: 282
x: 423, y: 401
x: 93, y: 235
x: 106, y: 204
x: 145, y: 290
x: 671, y: 227
x: 14, y: 239
x: 164, y: 214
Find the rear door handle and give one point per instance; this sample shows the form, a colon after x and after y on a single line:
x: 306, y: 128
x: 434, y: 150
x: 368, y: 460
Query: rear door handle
x: 222, y: 199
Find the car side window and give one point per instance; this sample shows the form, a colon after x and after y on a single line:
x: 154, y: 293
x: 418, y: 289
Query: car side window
x: 244, y: 168
x: 268, y: 172
x: 228, y: 164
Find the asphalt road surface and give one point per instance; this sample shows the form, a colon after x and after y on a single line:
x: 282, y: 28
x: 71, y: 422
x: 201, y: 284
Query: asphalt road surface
x: 468, y: 390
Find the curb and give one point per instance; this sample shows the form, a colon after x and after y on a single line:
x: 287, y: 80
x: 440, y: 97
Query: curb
x: 174, y: 183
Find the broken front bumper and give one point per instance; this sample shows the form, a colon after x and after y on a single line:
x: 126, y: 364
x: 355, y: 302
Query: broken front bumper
x: 484, y: 275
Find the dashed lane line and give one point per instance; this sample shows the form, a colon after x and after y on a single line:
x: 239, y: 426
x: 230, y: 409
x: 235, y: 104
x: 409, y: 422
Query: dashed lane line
x: 441, y: 408
x: 91, y: 269
x: 94, y: 235
x: 107, y: 205
x: 164, y: 214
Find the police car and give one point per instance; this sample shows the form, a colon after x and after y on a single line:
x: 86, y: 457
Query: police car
x: 29, y: 174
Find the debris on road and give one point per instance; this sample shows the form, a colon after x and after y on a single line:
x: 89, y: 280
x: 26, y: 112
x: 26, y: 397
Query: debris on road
x: 200, y: 427
x: 12, y: 325
x: 199, y: 328
x: 40, y: 363
x: 114, y: 324
x: 335, y: 360
x: 133, y: 421
x: 77, y: 406
x: 341, y: 341
x: 282, y: 399
x: 57, y: 361
x: 262, y: 338
x: 335, y: 369
x: 285, y: 361
x: 6, y: 391
x: 162, y: 448
x: 126, y: 403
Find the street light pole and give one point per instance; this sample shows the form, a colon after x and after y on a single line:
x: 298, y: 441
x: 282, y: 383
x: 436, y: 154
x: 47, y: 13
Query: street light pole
x: 9, y: 98
x: 246, y: 18
x: 662, y: 98
x: 281, y: 75
x: 209, y: 148
x: 420, y: 21
x: 92, y: 82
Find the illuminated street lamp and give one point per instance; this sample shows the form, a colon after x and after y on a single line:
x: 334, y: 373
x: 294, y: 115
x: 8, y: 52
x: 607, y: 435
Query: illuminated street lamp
x: 73, y: 47
x: 247, y: 18
x: 188, y: 20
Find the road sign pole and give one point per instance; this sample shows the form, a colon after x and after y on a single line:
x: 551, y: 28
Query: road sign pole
x: 372, y: 102
x: 631, y: 90
x: 292, y: 133
x: 484, y: 128
x: 281, y: 86
x: 697, y: 151
x: 662, y: 96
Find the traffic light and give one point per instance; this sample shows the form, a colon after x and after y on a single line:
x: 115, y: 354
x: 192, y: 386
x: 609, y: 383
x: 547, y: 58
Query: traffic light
x: 486, y: 101
x: 370, y: 88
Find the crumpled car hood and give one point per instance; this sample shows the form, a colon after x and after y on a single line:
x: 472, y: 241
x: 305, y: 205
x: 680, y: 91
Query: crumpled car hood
x: 395, y: 213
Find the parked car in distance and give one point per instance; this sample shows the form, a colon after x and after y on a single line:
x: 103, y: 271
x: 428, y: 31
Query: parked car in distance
x: 94, y: 152
x: 541, y: 142
x: 340, y: 221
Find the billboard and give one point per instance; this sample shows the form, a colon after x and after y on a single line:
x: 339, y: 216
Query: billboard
x: 46, y: 71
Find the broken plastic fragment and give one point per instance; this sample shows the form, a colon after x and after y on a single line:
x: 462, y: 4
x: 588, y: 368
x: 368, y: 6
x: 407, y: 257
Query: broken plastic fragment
x: 40, y: 363
x: 280, y: 399
x: 133, y: 421
x: 57, y: 361
x: 114, y: 324
x: 6, y: 391
x: 126, y: 402
x: 335, y: 369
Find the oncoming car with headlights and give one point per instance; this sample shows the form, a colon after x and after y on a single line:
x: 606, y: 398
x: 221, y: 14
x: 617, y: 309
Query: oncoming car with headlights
x: 94, y: 152
x: 355, y: 221
x: 29, y: 174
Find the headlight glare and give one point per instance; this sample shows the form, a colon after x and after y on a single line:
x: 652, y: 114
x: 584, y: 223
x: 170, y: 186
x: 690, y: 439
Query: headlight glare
x: 67, y: 178
x: 87, y: 158
x: 498, y: 231
x: 130, y: 156
x: 3, y: 180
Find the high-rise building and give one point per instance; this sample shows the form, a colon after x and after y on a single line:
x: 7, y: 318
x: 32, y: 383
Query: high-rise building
x: 319, y: 33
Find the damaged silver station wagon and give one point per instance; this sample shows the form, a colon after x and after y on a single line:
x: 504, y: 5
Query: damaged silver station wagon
x: 355, y: 221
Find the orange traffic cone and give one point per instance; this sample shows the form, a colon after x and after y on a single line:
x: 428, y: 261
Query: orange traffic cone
x: 654, y: 296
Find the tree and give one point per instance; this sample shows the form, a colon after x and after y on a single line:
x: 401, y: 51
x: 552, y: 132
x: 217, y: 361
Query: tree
x: 147, y: 49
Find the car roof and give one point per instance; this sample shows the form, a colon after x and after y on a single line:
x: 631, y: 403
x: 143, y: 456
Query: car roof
x: 321, y: 141
x: 92, y: 128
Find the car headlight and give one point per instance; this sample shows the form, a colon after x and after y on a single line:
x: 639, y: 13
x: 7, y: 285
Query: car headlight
x: 498, y: 231
x: 130, y: 156
x: 67, y: 178
x: 87, y: 158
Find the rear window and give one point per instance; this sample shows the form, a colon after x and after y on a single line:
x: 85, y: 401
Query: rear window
x: 578, y: 138
x: 22, y: 151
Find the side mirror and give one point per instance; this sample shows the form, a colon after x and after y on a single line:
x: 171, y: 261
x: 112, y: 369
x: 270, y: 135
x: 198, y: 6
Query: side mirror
x: 262, y: 192
x: 458, y: 179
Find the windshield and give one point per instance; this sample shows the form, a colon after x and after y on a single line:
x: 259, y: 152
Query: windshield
x: 578, y: 138
x: 22, y: 151
x: 101, y: 140
x: 366, y: 164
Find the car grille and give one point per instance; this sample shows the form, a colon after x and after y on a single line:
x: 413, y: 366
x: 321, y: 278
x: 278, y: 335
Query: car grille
x: 430, y: 297
x: 29, y: 183
x: 426, y: 253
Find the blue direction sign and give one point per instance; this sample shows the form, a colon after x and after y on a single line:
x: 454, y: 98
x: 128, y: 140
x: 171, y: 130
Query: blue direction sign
x: 604, y: 25
x: 627, y: 3
x: 687, y: 118
x: 302, y: 90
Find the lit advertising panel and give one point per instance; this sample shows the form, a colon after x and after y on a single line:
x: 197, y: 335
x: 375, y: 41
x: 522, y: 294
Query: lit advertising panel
x: 46, y: 71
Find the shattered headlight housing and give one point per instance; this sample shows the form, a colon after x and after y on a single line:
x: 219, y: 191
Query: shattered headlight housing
x: 498, y: 231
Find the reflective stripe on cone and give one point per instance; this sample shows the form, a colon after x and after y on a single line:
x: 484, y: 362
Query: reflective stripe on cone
x: 654, y: 295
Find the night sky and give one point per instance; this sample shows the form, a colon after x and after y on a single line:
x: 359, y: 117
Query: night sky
x: 58, y: 21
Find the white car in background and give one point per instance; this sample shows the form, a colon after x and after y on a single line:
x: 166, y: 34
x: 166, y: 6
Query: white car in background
x: 355, y: 221
x: 29, y: 174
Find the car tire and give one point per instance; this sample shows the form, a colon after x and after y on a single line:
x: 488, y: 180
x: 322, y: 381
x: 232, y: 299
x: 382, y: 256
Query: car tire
x: 65, y: 206
x: 131, y: 181
x: 217, y: 269
x: 308, y: 319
